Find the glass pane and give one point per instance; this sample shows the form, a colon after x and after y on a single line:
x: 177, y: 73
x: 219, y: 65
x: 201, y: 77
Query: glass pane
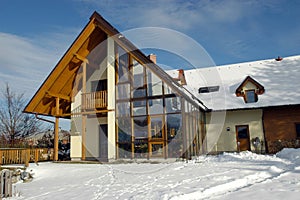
x: 156, y: 106
x: 124, y: 150
x: 157, y: 150
x: 167, y: 89
x: 123, y: 91
x: 138, y: 75
x: 250, y: 96
x: 140, y: 148
x: 154, y: 84
x: 138, y: 93
x: 173, y: 104
x: 139, y: 107
x: 140, y: 127
x: 124, y: 129
x: 123, y: 109
x: 298, y: 130
x: 242, y: 132
x: 174, y: 136
x: 123, y: 62
x: 156, y: 127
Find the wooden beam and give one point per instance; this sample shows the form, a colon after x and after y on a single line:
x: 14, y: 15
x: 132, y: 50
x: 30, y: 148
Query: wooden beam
x: 83, y: 138
x: 83, y: 134
x: 87, y: 112
x: 60, y: 96
x: 56, y: 132
x: 83, y: 59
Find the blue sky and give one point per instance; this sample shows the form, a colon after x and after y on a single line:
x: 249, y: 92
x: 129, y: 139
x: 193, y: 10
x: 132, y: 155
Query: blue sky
x: 34, y: 34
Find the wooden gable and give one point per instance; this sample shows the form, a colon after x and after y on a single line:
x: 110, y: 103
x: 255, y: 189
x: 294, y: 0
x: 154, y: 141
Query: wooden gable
x: 65, y: 77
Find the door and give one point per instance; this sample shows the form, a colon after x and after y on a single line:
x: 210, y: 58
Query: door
x: 103, y: 143
x: 157, y: 136
x: 242, y: 138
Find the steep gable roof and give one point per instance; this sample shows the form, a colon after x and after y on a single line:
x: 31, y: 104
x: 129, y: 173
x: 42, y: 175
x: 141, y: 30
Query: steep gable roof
x: 60, y: 81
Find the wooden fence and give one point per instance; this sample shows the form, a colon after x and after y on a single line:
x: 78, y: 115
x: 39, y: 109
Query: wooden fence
x: 24, y: 156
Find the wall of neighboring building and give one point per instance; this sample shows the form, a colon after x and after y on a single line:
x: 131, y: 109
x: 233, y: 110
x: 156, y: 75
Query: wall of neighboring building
x: 280, y: 127
x: 221, y: 136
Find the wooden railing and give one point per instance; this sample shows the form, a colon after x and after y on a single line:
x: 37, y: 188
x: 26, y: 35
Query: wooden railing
x: 94, y: 100
x: 24, y: 156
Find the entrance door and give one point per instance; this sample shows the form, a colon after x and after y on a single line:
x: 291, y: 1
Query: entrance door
x: 157, y: 136
x: 242, y: 138
x: 103, y: 143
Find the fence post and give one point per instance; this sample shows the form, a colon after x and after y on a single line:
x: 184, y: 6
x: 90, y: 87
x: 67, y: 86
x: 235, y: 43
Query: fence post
x: 27, y: 157
x: 6, y: 183
x: 1, y: 157
x: 36, y: 155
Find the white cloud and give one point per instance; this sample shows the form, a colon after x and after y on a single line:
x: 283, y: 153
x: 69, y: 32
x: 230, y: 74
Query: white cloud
x: 26, y: 62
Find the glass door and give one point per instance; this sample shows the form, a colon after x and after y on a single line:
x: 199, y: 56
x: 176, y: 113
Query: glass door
x: 157, y: 136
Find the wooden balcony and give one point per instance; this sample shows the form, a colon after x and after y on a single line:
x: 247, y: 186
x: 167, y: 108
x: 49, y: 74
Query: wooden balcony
x: 94, y: 100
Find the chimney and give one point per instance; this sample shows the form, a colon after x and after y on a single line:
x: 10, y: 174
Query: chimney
x: 181, y: 77
x: 278, y: 58
x: 152, y: 57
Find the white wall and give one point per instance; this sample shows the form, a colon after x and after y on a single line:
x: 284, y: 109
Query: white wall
x: 225, y: 140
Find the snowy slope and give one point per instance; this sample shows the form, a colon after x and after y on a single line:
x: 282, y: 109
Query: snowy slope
x: 279, y: 78
x: 228, y: 176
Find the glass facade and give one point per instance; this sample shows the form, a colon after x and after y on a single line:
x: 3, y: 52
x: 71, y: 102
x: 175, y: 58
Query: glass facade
x: 152, y: 121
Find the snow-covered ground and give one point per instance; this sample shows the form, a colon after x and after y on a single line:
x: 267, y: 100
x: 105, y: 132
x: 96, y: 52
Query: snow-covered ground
x: 228, y: 176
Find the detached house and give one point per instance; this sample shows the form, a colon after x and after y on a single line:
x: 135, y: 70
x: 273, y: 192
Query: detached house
x: 121, y: 104
x: 254, y: 105
x: 124, y: 106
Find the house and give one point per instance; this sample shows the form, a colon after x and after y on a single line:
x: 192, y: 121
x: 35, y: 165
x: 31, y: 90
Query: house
x: 120, y: 103
x: 254, y: 105
x: 124, y: 106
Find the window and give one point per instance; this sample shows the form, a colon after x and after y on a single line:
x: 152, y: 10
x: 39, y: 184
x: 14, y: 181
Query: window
x: 242, y: 132
x: 298, y: 129
x: 99, y: 85
x: 250, y: 96
x: 209, y: 89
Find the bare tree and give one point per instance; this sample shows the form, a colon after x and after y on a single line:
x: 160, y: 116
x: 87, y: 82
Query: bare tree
x: 14, y: 124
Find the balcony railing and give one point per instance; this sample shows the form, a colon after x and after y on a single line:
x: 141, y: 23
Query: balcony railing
x: 94, y: 100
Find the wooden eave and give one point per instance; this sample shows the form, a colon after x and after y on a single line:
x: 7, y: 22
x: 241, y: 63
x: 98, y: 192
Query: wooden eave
x: 260, y: 88
x: 61, y: 81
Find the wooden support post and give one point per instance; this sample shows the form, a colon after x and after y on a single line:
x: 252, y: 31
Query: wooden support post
x: 83, y: 138
x: 1, y: 157
x: 83, y: 134
x: 56, y: 131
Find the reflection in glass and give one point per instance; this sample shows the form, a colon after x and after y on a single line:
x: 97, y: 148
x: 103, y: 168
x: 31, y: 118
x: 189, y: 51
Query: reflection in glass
x: 123, y: 91
x: 123, y: 62
x: 156, y: 127
x: 156, y: 107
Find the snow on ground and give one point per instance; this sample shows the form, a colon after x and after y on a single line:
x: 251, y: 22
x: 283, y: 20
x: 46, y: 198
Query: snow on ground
x: 227, y: 176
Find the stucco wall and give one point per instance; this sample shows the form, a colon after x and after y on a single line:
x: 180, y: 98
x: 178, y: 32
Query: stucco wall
x: 223, y: 134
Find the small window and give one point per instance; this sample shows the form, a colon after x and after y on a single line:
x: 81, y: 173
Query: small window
x: 242, y: 132
x: 298, y: 130
x: 250, y: 96
x: 209, y: 89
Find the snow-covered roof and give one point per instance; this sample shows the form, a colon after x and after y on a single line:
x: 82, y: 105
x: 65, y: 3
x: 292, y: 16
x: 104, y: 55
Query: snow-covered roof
x: 280, y: 79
